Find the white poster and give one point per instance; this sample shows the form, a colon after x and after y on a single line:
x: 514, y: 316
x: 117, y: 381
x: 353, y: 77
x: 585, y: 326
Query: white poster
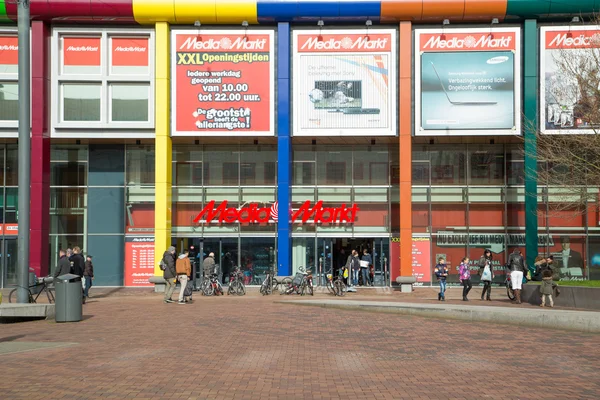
x: 344, y: 83
x: 569, y: 79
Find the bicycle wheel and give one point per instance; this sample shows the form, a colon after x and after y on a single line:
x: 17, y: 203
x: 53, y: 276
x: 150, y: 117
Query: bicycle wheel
x: 219, y: 289
x: 208, y: 290
x: 340, y: 288
x: 274, y: 284
x: 285, y: 285
x: 265, y: 288
x: 310, y: 289
x: 239, y: 288
x: 510, y: 292
x: 302, y: 288
x: 329, y: 285
x: 12, y: 296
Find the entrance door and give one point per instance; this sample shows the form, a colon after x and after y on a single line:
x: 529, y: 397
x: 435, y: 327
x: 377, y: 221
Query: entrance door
x: 226, y: 254
x: 8, y: 263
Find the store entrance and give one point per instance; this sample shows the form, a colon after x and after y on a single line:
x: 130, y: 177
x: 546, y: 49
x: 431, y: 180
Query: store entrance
x: 334, y: 252
x: 8, y: 262
x: 224, y: 249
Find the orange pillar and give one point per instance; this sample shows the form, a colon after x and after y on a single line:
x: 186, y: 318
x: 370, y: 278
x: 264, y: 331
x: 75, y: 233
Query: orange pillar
x: 405, y: 145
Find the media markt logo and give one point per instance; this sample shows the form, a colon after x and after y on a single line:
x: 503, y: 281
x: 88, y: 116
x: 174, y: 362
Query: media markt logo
x: 567, y: 39
x: 362, y: 42
x: 9, y: 47
x: 225, y: 43
x: 83, y: 48
x: 483, y: 41
x: 137, y: 49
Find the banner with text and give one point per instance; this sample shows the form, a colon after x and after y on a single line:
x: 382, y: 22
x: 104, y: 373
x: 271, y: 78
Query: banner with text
x: 129, y: 52
x: 81, y: 51
x: 222, y: 82
x: 139, y: 260
x: 9, y: 53
x: 467, y: 82
x: 344, y: 82
x: 421, y: 260
x: 569, y: 79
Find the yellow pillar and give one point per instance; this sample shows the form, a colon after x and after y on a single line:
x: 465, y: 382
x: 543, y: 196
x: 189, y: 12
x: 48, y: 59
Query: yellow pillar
x: 162, y: 146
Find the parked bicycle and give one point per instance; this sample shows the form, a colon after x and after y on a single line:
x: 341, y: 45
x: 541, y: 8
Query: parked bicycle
x: 301, y: 283
x: 212, y: 286
x: 35, y: 290
x: 270, y: 284
x: 236, y: 286
x: 307, y: 284
x: 509, y: 290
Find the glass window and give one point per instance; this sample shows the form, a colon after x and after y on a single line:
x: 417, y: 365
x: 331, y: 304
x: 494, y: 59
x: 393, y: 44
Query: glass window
x: 9, y: 101
x: 69, y: 173
x: 11, y: 209
x: 257, y: 257
x: 221, y: 167
x: 258, y: 166
x: 486, y: 165
x: 81, y: 102
x: 129, y: 102
x: 12, y: 166
x: 420, y: 172
x: 67, y: 210
x: 140, y: 167
x: 448, y: 166
x: 63, y: 242
x: 371, y: 166
x: 303, y: 173
x: 334, y: 167
x: 187, y: 166
x: 129, y: 55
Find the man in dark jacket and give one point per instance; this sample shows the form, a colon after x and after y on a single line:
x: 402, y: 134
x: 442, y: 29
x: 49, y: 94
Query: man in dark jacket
x: 208, y: 265
x: 77, y: 262
x: 64, y: 266
x: 516, y: 264
x: 88, y: 276
x: 169, y: 273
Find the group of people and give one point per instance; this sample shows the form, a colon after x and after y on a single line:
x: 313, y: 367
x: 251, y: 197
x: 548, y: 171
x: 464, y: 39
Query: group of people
x: 179, y: 269
x: 71, y: 261
x: 356, y: 267
x: 516, y: 266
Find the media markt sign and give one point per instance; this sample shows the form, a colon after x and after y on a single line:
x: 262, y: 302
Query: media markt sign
x: 253, y: 213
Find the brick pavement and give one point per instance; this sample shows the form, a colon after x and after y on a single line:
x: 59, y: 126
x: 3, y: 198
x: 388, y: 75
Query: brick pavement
x: 253, y: 348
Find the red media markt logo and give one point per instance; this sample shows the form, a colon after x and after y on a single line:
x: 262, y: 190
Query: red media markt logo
x: 253, y: 213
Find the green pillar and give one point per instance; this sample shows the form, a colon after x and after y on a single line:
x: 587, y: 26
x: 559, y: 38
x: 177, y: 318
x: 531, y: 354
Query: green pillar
x: 530, y: 128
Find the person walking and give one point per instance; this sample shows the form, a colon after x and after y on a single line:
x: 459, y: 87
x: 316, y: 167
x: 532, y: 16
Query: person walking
x: 367, y: 260
x: 516, y: 264
x: 465, y: 277
x: 64, y: 265
x: 353, y: 265
x: 441, y: 272
x: 183, y: 268
x: 77, y: 268
x: 486, y: 272
x: 169, y: 273
x: 88, y: 276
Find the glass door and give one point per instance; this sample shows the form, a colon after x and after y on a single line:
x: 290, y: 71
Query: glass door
x: 325, y: 262
x: 8, y: 263
x: 381, y: 270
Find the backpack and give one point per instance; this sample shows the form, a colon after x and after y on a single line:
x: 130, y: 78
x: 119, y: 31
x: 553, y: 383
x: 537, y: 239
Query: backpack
x: 162, y: 265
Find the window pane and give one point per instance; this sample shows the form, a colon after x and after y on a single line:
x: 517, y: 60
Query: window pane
x: 12, y: 206
x: 67, y: 210
x: 130, y: 102
x: 12, y: 166
x: 371, y: 166
x: 486, y: 165
x: 9, y: 101
x: 68, y: 153
x: 81, y: 102
x: 303, y: 173
x: 140, y: 165
x: 334, y: 167
x: 221, y: 166
x: 448, y: 166
x: 129, y: 55
x: 68, y: 174
x: 258, y: 166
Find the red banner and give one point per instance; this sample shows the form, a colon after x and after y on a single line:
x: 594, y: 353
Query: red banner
x: 223, y: 83
x: 130, y: 52
x: 421, y: 260
x: 139, y: 261
x: 576, y: 39
x: 81, y: 51
x: 471, y: 41
x: 9, y: 50
x: 9, y: 229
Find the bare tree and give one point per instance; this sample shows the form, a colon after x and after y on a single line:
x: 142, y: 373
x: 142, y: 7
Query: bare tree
x: 569, y: 161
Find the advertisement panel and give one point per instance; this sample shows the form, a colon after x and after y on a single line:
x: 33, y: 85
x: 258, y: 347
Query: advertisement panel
x: 81, y: 51
x: 129, y: 52
x: 223, y: 82
x: 421, y: 260
x: 344, y: 83
x: 467, y: 82
x: 9, y: 53
x: 139, y: 260
x: 568, y: 79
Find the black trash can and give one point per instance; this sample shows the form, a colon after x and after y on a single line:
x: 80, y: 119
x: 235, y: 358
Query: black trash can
x: 68, y: 298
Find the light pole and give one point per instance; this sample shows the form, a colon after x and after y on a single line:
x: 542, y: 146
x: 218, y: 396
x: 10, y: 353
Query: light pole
x: 24, y: 75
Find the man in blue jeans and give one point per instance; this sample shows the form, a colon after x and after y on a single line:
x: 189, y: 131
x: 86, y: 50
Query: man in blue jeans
x: 441, y: 272
x: 367, y: 260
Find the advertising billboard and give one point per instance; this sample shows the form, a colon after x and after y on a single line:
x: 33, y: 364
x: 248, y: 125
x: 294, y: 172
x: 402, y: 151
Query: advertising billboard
x: 139, y: 261
x: 569, y: 79
x: 9, y: 53
x: 222, y: 82
x: 467, y: 82
x: 344, y: 82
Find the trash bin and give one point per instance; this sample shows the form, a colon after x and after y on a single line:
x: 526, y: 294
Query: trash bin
x: 68, y: 298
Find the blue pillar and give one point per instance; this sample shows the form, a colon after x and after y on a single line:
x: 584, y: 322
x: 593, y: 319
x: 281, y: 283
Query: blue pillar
x: 530, y: 129
x: 284, y: 151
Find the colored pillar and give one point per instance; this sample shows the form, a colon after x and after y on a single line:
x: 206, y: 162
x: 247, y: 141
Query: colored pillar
x: 40, y: 149
x: 405, y: 145
x: 530, y: 129
x: 284, y: 151
x: 162, y: 146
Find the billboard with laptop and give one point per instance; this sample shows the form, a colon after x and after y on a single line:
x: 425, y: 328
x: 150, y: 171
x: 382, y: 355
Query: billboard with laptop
x: 569, y: 79
x: 467, y: 82
x: 344, y: 82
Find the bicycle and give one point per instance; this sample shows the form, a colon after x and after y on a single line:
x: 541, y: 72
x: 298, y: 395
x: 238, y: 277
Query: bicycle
x: 509, y: 290
x: 212, y: 286
x: 236, y: 286
x: 307, y: 284
x: 339, y: 287
x: 270, y: 284
x: 43, y: 282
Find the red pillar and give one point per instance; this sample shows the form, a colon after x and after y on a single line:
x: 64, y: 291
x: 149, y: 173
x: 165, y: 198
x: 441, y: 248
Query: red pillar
x: 40, y: 148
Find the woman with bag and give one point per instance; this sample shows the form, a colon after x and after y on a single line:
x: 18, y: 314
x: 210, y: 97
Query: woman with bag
x: 465, y: 277
x: 486, y: 272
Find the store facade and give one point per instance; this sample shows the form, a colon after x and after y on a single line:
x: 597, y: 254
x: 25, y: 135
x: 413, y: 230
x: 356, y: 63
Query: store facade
x: 401, y: 138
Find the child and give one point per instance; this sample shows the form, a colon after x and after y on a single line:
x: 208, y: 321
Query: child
x: 547, y: 288
x: 465, y: 277
x: 441, y: 272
